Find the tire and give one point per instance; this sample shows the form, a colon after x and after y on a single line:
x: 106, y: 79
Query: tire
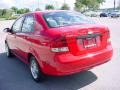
x: 8, y: 51
x: 36, y: 73
x: 101, y: 16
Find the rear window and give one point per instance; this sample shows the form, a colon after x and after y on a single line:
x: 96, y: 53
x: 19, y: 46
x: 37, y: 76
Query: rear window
x: 65, y: 18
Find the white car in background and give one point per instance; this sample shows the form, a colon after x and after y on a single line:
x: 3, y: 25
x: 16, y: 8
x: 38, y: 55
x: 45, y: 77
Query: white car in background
x: 92, y: 13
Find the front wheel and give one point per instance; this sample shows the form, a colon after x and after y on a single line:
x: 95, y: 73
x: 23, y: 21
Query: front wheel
x: 35, y: 70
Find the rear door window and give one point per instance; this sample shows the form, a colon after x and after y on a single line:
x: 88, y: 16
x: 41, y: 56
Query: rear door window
x: 28, y: 25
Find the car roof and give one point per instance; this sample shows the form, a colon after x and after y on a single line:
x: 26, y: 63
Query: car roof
x: 47, y: 11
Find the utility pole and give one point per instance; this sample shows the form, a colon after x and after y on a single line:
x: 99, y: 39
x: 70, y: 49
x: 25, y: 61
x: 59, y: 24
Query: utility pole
x: 114, y: 4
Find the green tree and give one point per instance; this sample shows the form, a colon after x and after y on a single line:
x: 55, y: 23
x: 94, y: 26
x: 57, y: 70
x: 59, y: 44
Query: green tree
x: 15, y: 9
x: 26, y: 10
x: 20, y: 11
x: 8, y: 13
x: 4, y: 12
x: 23, y: 10
x: 79, y: 6
x: 49, y: 7
x: 1, y: 11
x: 65, y: 7
x: 88, y: 4
x: 37, y: 9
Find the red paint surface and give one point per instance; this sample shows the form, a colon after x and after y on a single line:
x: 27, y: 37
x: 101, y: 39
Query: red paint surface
x: 78, y: 58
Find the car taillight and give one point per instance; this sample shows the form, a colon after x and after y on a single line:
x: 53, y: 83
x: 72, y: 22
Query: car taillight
x: 61, y: 49
x: 109, y: 39
x: 59, y: 45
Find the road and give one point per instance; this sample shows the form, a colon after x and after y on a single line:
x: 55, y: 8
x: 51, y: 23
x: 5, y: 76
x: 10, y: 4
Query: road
x: 15, y: 75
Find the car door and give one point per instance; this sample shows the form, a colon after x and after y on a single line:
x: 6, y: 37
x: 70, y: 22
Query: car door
x: 24, y: 36
x: 12, y: 38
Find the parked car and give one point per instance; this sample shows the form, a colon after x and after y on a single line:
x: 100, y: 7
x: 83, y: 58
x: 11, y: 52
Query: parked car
x: 105, y: 14
x: 115, y: 14
x: 92, y: 13
x: 58, y: 43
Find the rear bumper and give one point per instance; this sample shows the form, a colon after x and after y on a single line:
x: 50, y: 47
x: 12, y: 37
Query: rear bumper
x: 66, y: 64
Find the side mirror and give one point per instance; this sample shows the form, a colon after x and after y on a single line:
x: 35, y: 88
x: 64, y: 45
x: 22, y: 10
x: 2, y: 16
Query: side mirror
x: 7, y: 30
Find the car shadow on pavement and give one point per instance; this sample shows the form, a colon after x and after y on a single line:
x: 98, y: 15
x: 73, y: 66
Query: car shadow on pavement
x: 15, y: 75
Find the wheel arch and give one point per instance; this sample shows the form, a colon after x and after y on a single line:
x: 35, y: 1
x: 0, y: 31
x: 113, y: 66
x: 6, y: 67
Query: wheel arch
x: 39, y: 61
x: 28, y: 58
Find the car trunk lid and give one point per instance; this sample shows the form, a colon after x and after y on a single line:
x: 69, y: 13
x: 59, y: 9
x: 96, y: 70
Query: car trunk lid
x: 86, y: 40
x: 82, y: 39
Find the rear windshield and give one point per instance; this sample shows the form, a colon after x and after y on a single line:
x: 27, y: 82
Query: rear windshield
x: 65, y: 18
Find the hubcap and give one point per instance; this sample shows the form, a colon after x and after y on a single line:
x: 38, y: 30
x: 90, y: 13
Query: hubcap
x: 34, y: 69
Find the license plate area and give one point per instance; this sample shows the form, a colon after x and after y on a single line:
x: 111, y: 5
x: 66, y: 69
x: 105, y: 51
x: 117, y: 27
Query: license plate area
x: 89, y: 42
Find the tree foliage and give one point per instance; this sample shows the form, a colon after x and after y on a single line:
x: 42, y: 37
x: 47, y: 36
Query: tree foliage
x: 23, y: 10
x: 4, y: 13
x: 65, y: 7
x: 1, y: 12
x: 37, y: 9
x: 49, y: 7
x: 15, y: 9
x: 8, y: 13
x: 20, y: 11
x: 88, y: 4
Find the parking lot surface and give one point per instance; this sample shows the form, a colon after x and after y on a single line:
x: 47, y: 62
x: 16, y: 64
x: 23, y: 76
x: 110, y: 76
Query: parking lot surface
x: 15, y: 75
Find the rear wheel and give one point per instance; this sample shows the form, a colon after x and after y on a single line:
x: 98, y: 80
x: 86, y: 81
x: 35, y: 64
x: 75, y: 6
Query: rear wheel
x: 8, y: 51
x: 36, y: 73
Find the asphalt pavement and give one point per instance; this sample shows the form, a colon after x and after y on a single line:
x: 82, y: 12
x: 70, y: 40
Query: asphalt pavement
x: 15, y: 75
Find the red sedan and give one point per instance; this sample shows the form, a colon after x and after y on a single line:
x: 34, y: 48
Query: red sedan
x: 58, y: 43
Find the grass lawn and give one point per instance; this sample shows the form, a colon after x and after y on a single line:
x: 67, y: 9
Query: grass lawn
x: 1, y: 19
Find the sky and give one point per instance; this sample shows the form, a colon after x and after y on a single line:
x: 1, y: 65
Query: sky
x: 110, y: 4
x: 33, y: 4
